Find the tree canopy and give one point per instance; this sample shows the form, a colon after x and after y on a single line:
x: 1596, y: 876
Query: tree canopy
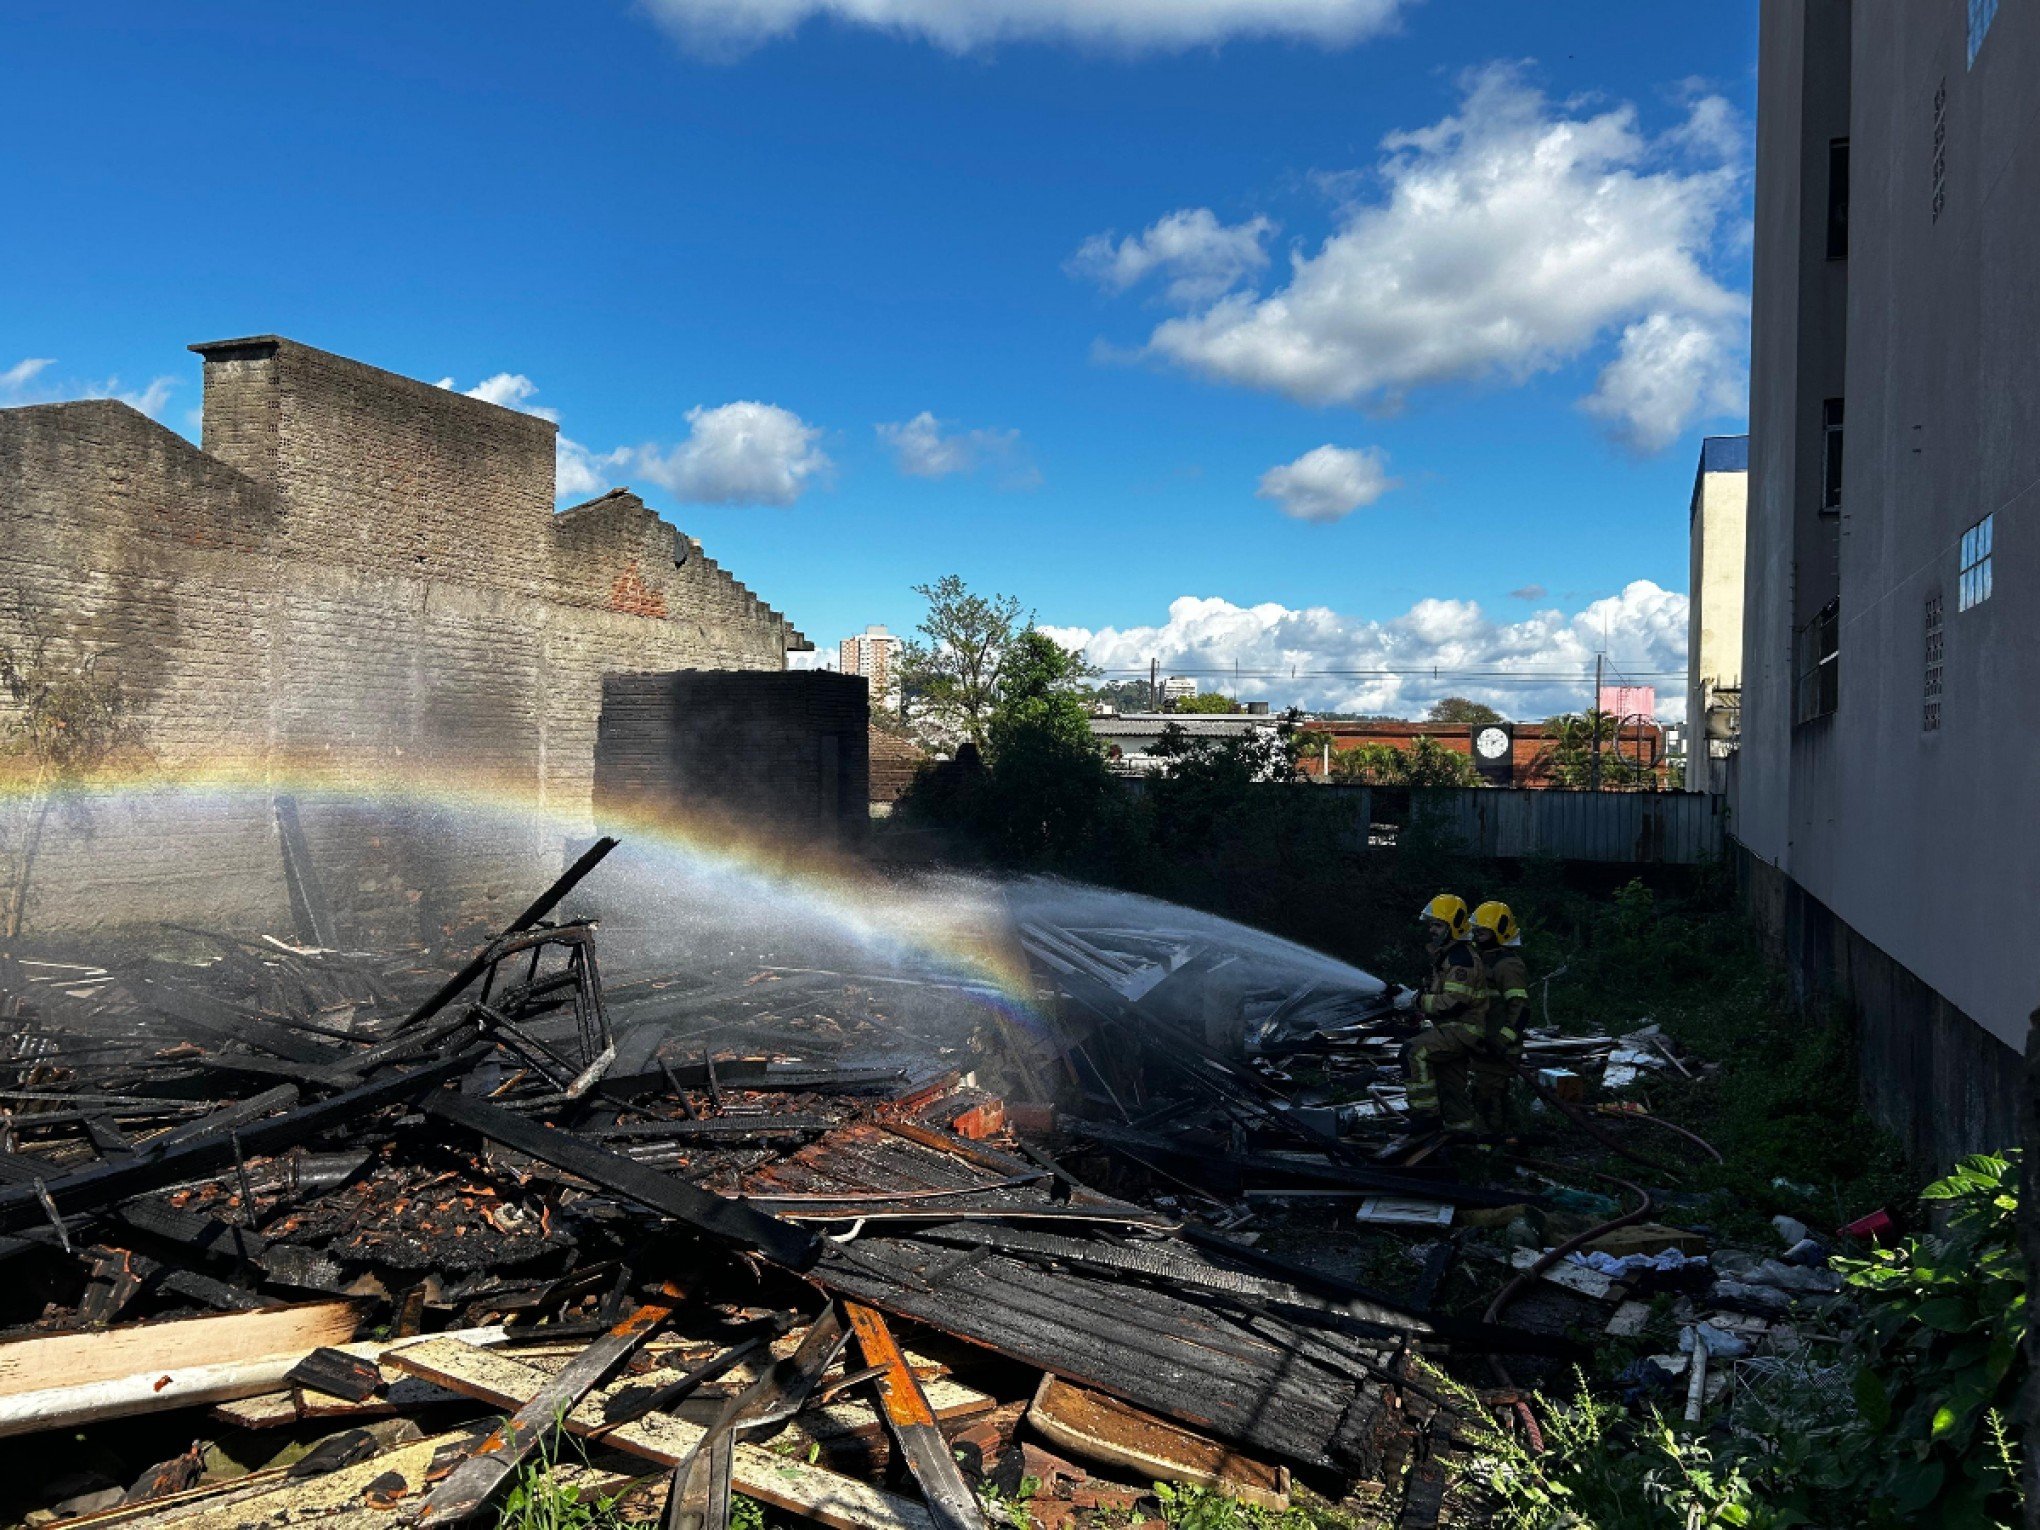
x: 949, y: 676
x: 1459, y: 712
x: 1425, y: 763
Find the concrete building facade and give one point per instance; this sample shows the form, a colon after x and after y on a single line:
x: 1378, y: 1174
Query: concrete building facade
x: 875, y: 654
x: 1717, y: 526
x: 1891, y: 650
x: 357, y: 574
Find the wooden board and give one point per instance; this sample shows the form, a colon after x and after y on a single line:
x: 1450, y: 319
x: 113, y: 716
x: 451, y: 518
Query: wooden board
x: 401, y: 1393
x: 1101, y: 1428
x: 59, y: 1380
x: 843, y: 1503
x: 333, y: 1500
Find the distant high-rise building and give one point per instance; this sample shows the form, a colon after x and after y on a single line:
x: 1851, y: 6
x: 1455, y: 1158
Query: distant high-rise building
x: 1177, y: 688
x: 874, y: 654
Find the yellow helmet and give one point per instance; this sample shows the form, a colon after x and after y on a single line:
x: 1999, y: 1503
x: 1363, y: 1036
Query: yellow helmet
x: 1448, y: 911
x: 1496, y: 919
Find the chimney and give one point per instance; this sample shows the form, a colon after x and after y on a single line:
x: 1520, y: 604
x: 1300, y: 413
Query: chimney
x: 242, y: 402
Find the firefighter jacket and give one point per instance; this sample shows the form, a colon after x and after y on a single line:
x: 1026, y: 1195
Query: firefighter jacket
x: 1458, y: 988
x: 1508, y: 996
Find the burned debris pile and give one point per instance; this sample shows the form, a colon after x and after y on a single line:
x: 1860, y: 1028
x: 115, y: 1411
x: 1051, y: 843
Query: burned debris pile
x: 342, y: 1236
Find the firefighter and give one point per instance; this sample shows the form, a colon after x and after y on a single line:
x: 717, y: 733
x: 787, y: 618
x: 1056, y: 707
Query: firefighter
x: 1498, y: 940
x: 1453, y: 1005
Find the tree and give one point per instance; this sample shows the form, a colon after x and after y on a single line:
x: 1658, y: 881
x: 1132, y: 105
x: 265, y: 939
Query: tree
x: 1308, y: 745
x: 1458, y: 712
x: 1040, y: 692
x: 1568, y: 759
x: 1209, y: 701
x: 1425, y: 763
x: 1123, y: 696
x: 949, y: 679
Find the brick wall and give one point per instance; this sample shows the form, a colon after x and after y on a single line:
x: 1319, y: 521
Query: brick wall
x: 360, y: 569
x: 894, y: 764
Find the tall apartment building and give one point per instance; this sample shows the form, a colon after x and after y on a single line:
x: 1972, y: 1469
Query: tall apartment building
x: 874, y: 654
x: 1890, y: 747
x: 1178, y: 688
x: 1714, y: 622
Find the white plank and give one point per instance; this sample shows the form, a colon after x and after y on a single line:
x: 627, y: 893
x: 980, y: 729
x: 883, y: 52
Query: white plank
x: 840, y: 1502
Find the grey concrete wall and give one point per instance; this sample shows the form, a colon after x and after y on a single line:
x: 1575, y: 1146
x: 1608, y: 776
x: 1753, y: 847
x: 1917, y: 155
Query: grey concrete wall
x: 1941, y: 1083
x: 365, y: 575
x: 1920, y: 842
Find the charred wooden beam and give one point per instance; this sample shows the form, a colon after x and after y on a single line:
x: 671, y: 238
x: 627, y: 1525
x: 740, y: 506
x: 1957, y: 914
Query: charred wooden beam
x: 87, y: 1190
x: 732, y: 1221
x: 912, y: 1422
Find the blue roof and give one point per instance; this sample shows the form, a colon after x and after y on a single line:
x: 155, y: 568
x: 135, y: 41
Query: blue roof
x: 1725, y: 454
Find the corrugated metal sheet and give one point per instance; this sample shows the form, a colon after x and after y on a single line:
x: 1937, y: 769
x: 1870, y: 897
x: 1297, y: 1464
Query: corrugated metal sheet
x: 1670, y: 828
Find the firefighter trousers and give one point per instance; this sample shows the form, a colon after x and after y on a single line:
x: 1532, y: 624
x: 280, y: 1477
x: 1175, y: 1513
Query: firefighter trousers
x: 1440, y: 1064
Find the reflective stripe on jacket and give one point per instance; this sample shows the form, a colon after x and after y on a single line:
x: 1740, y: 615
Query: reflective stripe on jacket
x: 1508, y: 995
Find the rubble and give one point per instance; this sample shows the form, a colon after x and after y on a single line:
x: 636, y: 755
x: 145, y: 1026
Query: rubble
x: 431, y: 1220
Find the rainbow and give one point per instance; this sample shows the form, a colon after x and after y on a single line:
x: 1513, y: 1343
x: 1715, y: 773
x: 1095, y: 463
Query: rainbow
x: 944, y: 932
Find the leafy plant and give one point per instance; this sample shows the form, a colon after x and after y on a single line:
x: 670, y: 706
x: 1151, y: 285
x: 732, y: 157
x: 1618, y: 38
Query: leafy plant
x: 1009, y: 1509
x: 540, y: 1499
x: 1604, y: 1470
x: 1938, y: 1367
x: 1188, y: 1507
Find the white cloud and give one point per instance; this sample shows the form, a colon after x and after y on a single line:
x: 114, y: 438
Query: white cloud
x: 1669, y: 370
x: 731, y: 28
x: 1506, y: 240
x: 25, y: 383
x: 1526, y: 669
x: 511, y: 390
x: 1529, y: 592
x: 1202, y: 257
x: 738, y: 454
x: 150, y: 400
x: 1328, y: 483
x: 16, y: 379
x: 922, y: 449
x: 579, y: 473
x: 744, y: 453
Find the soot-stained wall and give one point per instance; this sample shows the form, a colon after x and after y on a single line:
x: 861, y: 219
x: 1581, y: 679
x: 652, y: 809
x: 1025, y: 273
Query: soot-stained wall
x: 784, y: 754
x: 360, y: 576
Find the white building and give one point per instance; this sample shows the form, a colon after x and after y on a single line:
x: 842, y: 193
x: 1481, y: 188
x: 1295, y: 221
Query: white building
x: 1714, y: 633
x: 1129, y: 738
x: 1178, y: 688
x: 874, y: 654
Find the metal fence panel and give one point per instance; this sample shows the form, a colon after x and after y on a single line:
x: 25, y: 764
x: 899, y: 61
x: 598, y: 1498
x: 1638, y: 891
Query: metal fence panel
x: 1666, y: 828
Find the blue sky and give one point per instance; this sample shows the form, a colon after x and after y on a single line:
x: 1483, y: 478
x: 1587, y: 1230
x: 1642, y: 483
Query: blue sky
x: 652, y: 211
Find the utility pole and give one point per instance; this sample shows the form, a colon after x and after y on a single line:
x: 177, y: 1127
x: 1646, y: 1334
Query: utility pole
x: 1594, y: 723
x: 1155, y: 684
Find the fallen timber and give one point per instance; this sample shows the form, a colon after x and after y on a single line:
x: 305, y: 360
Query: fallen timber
x: 494, y: 1168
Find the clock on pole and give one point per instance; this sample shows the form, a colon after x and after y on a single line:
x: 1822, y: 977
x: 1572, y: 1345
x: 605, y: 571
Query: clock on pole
x: 1494, y: 752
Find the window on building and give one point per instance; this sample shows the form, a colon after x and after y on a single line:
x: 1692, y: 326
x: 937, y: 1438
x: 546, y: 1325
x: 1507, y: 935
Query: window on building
x: 1930, y: 718
x: 1975, y: 569
x: 1831, y: 454
x: 1816, y: 665
x: 1838, y: 199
